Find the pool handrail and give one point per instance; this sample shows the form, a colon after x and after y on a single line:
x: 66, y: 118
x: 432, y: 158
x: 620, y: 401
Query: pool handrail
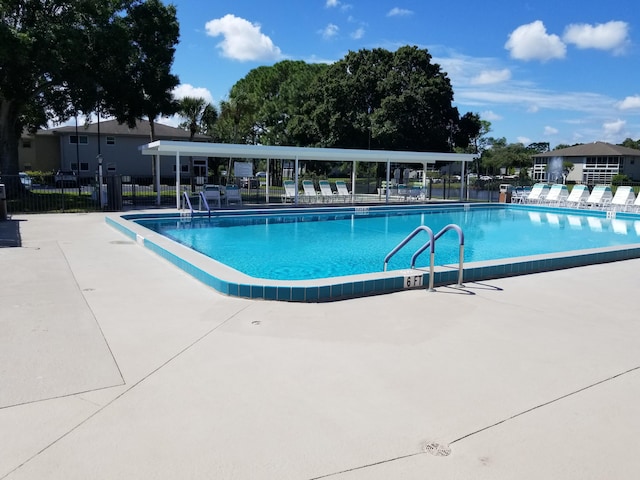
x: 446, y: 228
x: 204, y: 202
x: 407, y: 239
x: 187, y: 201
x: 431, y: 243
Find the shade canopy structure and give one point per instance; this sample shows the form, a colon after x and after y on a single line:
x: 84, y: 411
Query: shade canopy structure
x: 268, y: 152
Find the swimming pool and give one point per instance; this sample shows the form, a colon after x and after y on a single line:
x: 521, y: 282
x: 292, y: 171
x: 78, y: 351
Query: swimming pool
x: 331, y: 253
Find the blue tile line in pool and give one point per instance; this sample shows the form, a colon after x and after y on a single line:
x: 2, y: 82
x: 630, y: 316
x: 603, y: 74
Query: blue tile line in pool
x: 340, y: 288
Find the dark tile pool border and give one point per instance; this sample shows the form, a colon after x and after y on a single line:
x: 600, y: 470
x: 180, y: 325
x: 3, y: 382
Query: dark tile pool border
x: 233, y: 283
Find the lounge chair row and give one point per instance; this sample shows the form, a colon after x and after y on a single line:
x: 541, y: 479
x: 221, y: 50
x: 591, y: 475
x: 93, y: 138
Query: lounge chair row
x: 309, y: 193
x: 601, y: 197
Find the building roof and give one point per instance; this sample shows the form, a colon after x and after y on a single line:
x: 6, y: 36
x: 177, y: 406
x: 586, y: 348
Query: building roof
x: 595, y: 149
x: 162, y: 147
x: 112, y: 127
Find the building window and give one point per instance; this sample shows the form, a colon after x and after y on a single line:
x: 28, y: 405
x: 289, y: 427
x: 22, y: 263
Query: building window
x: 183, y: 168
x: 111, y: 140
x: 78, y: 139
x: 26, y: 143
x: 84, y: 166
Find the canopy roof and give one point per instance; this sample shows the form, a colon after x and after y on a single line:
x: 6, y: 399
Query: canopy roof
x: 166, y: 147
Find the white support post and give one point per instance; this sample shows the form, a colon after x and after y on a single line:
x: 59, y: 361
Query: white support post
x: 266, y: 196
x: 295, y: 177
x: 386, y: 188
x: 156, y: 159
x: 354, y: 175
x: 178, y: 180
x: 462, y: 177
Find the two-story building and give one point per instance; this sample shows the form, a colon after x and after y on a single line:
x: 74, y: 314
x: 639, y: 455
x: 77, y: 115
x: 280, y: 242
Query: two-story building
x: 593, y: 163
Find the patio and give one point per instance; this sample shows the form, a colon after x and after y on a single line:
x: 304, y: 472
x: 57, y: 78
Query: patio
x: 115, y: 364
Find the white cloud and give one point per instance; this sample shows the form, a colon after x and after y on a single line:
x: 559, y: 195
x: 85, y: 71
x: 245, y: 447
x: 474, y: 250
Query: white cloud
x: 399, y: 12
x: 329, y: 31
x: 532, y: 42
x: 614, y: 128
x: 242, y: 40
x: 612, y: 36
x: 523, y: 140
x: 332, y: 3
x: 186, y: 90
x: 630, y: 103
x: 490, y: 115
x: 487, y: 77
x: 550, y: 130
x: 358, y: 34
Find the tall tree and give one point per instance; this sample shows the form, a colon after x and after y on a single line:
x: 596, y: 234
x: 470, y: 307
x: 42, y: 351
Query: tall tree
x: 59, y: 58
x: 236, y: 122
x: 470, y: 129
x: 385, y: 100
x: 153, y: 33
x: 270, y: 99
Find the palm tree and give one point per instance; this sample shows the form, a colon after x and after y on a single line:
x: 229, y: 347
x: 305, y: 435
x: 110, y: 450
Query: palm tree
x: 200, y: 116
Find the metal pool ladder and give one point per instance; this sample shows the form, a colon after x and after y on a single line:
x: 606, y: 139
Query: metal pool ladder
x: 431, y: 243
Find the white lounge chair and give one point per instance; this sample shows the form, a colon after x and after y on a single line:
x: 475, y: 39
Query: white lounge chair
x: 289, y: 191
x: 416, y: 191
x: 538, y: 193
x: 309, y: 191
x: 403, y: 191
x: 623, y: 199
x: 636, y: 205
x: 520, y: 194
x: 211, y: 194
x: 600, y: 197
x: 232, y: 195
x: 557, y: 195
x: 578, y: 196
x: 325, y: 191
x: 391, y: 186
x: 342, y: 190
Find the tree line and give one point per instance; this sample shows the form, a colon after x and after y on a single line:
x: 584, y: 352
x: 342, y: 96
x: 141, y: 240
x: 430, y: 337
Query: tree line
x: 114, y: 58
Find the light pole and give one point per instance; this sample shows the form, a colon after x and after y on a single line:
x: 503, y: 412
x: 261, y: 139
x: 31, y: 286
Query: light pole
x: 99, y: 156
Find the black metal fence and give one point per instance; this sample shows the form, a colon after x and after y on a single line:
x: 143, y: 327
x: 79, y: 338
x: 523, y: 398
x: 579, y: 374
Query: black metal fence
x: 53, y: 193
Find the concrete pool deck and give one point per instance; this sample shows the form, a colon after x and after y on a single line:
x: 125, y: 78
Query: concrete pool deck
x: 116, y: 364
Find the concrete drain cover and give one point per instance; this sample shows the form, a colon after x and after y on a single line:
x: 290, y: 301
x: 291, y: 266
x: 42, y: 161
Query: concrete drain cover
x: 121, y: 242
x: 437, y: 450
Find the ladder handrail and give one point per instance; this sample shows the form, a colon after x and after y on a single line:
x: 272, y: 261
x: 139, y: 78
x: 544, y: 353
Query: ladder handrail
x: 203, y: 200
x: 430, y: 244
x: 187, y: 201
x: 451, y: 226
x: 406, y: 240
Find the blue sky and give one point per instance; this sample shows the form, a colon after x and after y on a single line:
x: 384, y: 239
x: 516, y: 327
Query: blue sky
x: 543, y: 71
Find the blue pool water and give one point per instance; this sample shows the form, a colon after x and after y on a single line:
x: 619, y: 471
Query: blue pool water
x: 302, y: 246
